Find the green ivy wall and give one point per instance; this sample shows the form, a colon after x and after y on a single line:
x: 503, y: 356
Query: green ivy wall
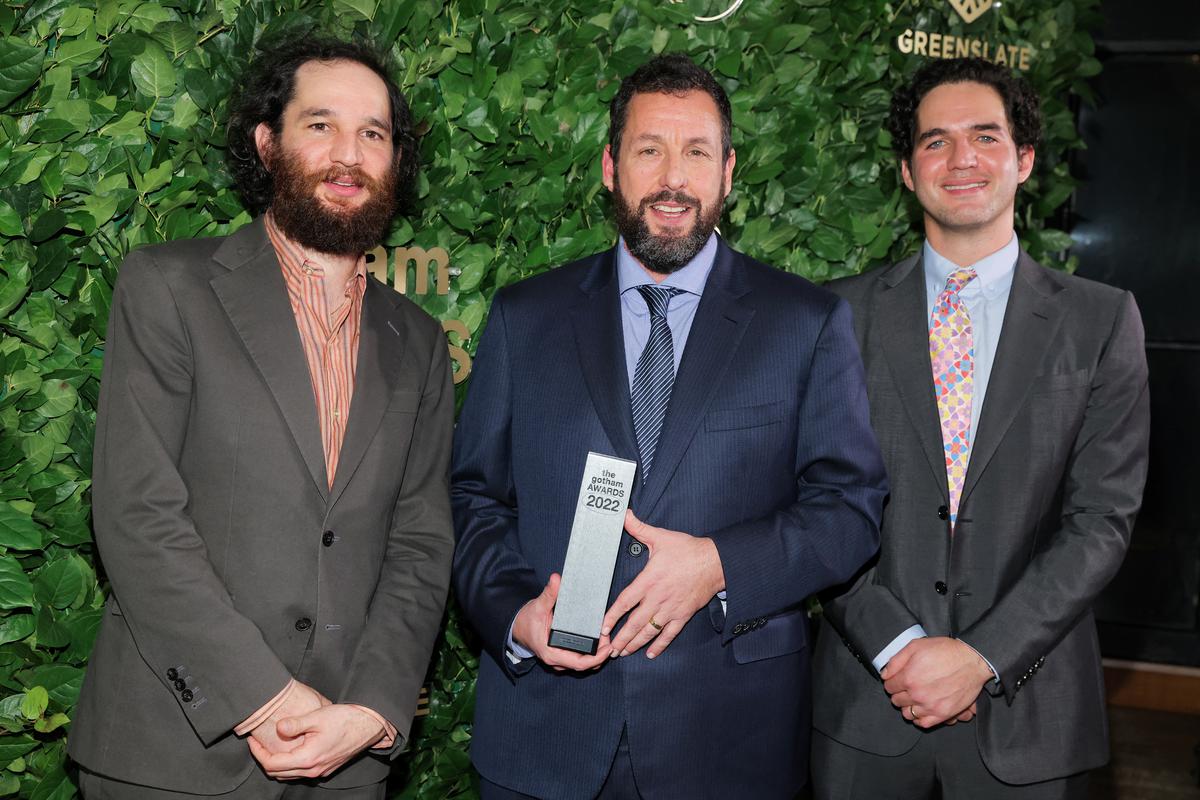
x: 111, y: 116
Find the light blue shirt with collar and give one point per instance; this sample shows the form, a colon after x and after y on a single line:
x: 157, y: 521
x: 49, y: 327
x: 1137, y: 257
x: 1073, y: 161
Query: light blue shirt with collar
x: 635, y: 316
x: 635, y: 326
x: 986, y: 299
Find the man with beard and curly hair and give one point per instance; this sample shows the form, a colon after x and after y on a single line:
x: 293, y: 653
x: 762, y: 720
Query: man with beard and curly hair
x: 738, y: 390
x: 271, y: 463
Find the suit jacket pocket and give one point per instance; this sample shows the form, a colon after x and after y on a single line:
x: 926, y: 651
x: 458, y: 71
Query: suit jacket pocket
x: 728, y: 419
x: 1045, y: 384
x: 787, y: 633
x: 404, y: 401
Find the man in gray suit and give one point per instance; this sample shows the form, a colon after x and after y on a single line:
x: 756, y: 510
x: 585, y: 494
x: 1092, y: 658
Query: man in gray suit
x: 1010, y: 402
x: 272, y: 447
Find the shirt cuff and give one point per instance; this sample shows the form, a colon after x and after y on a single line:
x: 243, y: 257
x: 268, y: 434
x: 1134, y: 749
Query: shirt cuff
x: 389, y: 730
x: 885, y: 655
x: 259, y: 717
x: 515, y: 652
x: 995, y: 675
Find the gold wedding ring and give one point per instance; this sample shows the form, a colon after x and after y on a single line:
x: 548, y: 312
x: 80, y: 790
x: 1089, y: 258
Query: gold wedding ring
x: 655, y: 625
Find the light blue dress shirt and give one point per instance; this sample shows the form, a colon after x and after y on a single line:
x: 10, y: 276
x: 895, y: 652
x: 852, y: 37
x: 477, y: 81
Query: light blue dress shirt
x: 635, y: 327
x: 986, y: 298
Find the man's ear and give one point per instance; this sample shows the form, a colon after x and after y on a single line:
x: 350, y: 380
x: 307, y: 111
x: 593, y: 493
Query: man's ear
x: 727, y: 172
x: 1025, y: 158
x: 608, y: 168
x: 906, y: 174
x: 264, y: 143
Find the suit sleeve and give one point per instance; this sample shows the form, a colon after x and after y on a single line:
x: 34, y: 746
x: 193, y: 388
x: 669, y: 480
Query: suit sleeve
x: 832, y: 527
x: 177, y: 608
x: 405, y: 614
x: 1102, y: 491
x: 492, y: 578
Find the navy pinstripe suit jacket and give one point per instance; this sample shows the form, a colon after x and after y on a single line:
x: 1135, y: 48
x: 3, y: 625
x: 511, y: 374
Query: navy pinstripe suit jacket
x: 766, y: 448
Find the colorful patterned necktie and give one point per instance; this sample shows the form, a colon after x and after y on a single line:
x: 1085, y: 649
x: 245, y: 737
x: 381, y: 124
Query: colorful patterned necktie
x: 952, y: 353
x: 654, y: 375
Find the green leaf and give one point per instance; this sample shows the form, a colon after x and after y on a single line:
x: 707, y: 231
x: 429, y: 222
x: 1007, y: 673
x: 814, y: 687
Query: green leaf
x: 18, y: 531
x: 10, y: 221
x: 828, y: 243
x: 20, y: 66
x: 14, y: 628
x: 152, y: 71
x: 364, y: 9
x: 58, y: 583
x: 508, y: 91
x: 61, y: 397
x: 472, y: 261
x: 176, y: 37
x: 47, y: 225
x: 148, y: 16
x: 78, y: 52
x: 13, y: 747
x: 15, y: 589
x: 34, y: 704
x: 14, y: 288
x: 38, y: 450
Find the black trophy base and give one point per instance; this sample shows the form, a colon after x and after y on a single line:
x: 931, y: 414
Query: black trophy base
x: 573, y: 641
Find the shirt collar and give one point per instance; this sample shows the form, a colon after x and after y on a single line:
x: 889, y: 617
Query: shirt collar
x: 301, y: 262
x: 991, y: 269
x: 689, y: 278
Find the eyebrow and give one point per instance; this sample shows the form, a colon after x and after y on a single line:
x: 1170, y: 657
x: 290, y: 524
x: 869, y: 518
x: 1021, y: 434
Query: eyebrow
x: 982, y: 126
x: 654, y: 137
x: 329, y: 112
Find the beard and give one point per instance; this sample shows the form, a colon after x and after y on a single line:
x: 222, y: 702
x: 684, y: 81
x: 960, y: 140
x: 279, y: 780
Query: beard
x: 317, y: 225
x: 664, y: 253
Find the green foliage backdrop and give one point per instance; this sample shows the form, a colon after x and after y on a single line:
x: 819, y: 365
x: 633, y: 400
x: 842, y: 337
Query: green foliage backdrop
x: 111, y: 115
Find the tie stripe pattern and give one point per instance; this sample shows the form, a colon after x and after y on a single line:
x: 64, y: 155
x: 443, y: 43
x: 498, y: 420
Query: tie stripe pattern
x: 952, y: 354
x: 654, y: 375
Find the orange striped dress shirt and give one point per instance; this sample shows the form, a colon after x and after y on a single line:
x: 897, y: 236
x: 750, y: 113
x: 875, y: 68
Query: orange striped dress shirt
x: 330, y: 341
x: 330, y: 337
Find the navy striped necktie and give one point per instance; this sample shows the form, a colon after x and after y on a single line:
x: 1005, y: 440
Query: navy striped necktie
x: 654, y: 375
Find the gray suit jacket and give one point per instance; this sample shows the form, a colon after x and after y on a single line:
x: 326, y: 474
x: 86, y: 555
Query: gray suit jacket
x: 1052, y: 488
x: 233, y: 565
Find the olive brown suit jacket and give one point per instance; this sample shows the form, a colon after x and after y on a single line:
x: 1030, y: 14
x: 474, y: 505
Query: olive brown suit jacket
x: 234, y: 566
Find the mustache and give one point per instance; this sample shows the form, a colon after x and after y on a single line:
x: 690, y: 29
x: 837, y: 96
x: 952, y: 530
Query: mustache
x: 668, y: 196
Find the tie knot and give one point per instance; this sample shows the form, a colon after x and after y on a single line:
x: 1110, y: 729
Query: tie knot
x: 958, y: 279
x: 658, y: 298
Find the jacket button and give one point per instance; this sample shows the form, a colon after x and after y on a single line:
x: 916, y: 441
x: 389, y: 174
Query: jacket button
x: 180, y: 685
x: 327, y: 538
x: 172, y: 674
x: 943, y: 512
x: 636, y: 548
x: 303, y: 624
x: 940, y: 587
x: 186, y: 696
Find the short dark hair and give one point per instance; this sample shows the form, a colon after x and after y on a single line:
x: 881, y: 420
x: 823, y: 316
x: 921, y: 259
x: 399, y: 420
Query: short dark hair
x: 269, y: 85
x: 1022, y: 105
x: 671, y: 73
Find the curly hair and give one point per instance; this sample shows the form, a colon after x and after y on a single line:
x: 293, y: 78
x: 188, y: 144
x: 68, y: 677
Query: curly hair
x: 267, y: 88
x: 671, y: 73
x: 1022, y: 105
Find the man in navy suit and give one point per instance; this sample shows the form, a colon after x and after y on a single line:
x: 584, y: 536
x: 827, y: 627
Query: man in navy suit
x: 738, y: 389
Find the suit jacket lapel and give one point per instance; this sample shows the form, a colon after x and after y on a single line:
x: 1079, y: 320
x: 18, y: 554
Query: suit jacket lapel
x: 902, y: 327
x: 600, y: 344
x: 1030, y: 321
x: 380, y: 354
x: 254, y: 296
x: 717, y: 329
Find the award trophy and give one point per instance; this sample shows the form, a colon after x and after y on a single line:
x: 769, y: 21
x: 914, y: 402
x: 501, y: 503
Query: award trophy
x: 592, y: 553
